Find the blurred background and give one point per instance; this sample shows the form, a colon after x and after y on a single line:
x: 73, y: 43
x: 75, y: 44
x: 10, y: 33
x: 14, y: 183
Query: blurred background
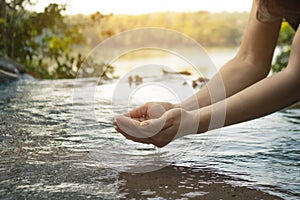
x: 52, y: 38
x: 48, y: 153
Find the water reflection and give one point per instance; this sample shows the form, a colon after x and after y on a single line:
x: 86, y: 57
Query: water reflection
x: 44, y: 155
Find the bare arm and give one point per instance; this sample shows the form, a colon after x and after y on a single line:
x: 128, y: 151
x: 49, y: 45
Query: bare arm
x: 264, y: 97
x: 268, y: 95
x: 249, y: 94
x: 251, y: 64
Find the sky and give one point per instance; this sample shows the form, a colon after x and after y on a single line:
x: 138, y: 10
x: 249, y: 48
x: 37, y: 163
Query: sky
x: 136, y: 7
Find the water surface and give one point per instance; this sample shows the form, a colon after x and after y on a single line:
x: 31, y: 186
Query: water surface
x: 46, y: 154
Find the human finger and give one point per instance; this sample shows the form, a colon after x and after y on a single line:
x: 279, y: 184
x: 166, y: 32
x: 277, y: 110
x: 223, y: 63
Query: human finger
x: 138, y: 112
x: 145, y: 129
x: 135, y: 139
x: 130, y: 126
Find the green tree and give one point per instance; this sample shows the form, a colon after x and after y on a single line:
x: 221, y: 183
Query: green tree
x: 284, y: 46
x: 43, y: 41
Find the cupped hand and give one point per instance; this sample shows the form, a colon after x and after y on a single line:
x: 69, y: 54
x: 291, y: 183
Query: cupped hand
x: 160, y: 131
x: 150, y: 110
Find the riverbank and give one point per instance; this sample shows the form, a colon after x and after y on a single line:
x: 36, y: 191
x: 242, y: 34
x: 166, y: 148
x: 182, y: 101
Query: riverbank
x: 175, y: 182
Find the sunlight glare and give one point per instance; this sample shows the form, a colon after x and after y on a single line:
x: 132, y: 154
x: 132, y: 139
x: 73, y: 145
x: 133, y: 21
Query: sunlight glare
x: 136, y: 7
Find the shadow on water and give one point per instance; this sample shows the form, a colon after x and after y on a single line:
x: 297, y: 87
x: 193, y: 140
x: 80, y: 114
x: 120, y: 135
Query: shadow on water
x: 184, y: 183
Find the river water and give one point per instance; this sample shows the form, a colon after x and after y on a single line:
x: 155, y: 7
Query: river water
x: 45, y: 154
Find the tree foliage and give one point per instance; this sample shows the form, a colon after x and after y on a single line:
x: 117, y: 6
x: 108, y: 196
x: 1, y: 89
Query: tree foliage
x: 284, y: 46
x: 43, y: 41
x: 53, y: 45
x: 209, y: 29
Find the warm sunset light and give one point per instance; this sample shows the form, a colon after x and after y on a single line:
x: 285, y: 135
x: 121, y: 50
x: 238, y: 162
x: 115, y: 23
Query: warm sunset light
x: 139, y: 7
x: 149, y: 99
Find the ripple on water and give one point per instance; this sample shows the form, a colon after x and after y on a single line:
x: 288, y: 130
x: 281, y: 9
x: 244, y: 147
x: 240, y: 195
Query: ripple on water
x: 46, y: 153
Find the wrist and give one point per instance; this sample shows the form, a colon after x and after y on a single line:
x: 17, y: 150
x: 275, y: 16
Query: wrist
x: 201, y: 118
x: 191, y: 121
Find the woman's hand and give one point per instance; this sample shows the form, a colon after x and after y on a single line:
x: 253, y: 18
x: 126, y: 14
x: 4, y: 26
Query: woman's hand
x: 150, y: 110
x: 159, y: 131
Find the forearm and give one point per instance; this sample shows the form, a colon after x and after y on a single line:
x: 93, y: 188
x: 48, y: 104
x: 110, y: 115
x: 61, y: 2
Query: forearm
x: 269, y: 95
x: 251, y: 64
x: 233, y: 77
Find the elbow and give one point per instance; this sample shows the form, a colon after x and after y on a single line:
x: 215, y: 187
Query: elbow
x: 293, y: 74
x: 259, y: 62
x: 263, y: 71
x: 254, y: 68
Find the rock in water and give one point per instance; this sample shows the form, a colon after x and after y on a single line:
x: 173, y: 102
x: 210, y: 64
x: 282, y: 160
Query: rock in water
x: 9, y: 69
